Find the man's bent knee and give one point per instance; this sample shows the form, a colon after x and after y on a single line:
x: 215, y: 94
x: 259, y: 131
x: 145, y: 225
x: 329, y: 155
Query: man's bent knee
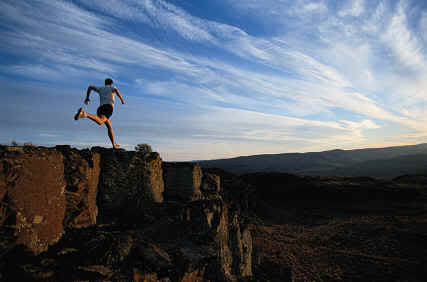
x: 102, y: 119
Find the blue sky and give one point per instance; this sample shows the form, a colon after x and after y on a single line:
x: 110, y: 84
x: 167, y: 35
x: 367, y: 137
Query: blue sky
x: 217, y: 79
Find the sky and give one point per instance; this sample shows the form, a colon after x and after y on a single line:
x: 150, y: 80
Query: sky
x: 216, y: 79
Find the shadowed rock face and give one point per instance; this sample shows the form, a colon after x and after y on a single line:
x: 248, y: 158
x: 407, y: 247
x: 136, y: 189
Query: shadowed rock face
x: 186, y: 181
x: 33, y: 195
x: 81, y: 174
x: 183, y: 181
x: 212, y: 218
x: 127, y: 180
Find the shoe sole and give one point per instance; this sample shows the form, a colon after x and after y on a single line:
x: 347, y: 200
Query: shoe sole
x: 76, y: 117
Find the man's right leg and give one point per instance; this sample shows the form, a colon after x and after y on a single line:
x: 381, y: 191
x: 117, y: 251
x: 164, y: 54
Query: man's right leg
x: 100, y: 120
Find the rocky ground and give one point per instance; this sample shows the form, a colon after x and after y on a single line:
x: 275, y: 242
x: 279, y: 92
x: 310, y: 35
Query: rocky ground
x: 112, y: 215
x: 158, y: 245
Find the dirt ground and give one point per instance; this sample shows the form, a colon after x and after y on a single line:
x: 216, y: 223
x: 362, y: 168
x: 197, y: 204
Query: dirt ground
x: 352, y: 230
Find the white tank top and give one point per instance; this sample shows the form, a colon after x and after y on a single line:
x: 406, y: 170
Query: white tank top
x: 106, y: 95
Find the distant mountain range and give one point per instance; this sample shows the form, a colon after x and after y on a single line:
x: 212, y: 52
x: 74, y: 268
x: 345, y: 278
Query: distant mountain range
x: 386, y: 162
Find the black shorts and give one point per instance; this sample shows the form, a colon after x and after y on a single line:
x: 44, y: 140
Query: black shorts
x: 105, y: 110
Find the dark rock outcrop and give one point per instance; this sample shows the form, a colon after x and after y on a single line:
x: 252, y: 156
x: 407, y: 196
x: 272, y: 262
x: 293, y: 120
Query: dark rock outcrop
x: 51, y: 198
x: 45, y: 190
x: 127, y: 180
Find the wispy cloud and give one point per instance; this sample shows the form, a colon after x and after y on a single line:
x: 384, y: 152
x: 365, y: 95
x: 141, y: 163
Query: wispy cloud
x: 79, y: 39
x: 320, y: 73
x: 403, y: 42
x: 159, y: 14
x: 352, y: 8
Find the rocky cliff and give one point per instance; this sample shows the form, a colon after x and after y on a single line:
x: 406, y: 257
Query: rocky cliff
x: 115, y: 215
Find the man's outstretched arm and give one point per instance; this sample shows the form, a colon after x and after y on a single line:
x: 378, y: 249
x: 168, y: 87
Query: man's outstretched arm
x: 120, y: 96
x: 90, y: 88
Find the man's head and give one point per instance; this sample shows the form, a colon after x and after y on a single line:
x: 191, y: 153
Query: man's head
x: 108, y: 81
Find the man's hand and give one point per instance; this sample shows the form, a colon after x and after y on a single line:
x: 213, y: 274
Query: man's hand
x: 90, y: 88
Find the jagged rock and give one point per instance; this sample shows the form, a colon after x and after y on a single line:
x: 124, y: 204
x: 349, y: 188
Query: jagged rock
x: 182, y: 181
x: 211, y: 219
x: 204, y: 243
x: 241, y: 246
x: 211, y: 185
x: 127, y: 180
x: 33, y: 192
x: 81, y: 174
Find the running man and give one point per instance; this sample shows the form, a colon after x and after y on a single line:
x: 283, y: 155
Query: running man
x: 105, y: 110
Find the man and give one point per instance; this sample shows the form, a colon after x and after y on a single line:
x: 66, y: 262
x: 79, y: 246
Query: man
x: 106, y: 98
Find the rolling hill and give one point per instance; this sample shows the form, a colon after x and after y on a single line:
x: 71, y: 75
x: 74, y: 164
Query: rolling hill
x: 385, y: 162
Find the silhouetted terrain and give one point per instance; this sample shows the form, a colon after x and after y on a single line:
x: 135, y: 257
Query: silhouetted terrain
x: 387, y: 162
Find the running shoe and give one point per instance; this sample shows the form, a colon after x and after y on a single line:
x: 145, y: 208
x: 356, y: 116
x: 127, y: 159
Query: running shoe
x: 80, y: 114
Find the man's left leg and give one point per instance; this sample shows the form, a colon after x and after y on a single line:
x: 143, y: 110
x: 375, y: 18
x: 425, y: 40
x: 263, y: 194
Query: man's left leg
x: 111, y: 133
x: 98, y: 119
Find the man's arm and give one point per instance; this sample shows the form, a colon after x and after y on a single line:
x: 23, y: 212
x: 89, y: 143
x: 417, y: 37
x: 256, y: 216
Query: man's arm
x: 120, y: 96
x: 90, y: 88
